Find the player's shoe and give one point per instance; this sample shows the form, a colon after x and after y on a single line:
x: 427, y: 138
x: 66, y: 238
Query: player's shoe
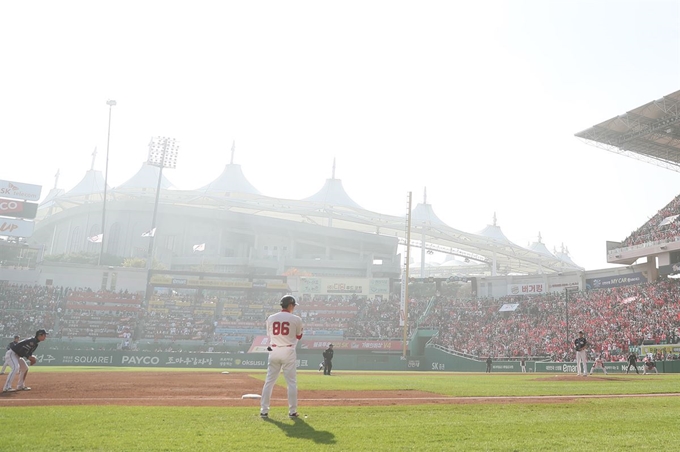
x: 294, y: 415
x: 264, y: 415
x: 24, y: 388
x: 8, y: 390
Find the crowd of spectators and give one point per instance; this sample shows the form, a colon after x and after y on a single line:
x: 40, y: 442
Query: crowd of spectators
x: 178, y: 316
x: 653, y: 230
x: 27, y: 308
x: 613, y: 320
x: 102, y: 314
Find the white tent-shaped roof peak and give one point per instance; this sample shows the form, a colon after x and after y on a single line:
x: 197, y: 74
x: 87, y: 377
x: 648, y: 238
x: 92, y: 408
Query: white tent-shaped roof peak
x: 91, y: 183
x: 333, y: 194
x: 539, y: 247
x: 424, y: 214
x: 493, y: 231
x: 145, y: 179
x: 231, y: 180
x: 563, y: 255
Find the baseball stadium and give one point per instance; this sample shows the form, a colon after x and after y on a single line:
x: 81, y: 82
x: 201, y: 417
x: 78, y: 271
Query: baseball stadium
x: 153, y: 300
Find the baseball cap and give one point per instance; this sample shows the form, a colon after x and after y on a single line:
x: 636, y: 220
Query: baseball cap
x: 330, y: 345
x: 39, y: 332
x: 17, y: 337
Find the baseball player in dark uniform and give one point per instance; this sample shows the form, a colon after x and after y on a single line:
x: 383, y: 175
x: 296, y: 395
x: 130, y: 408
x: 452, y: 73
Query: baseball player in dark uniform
x: 488, y: 364
x: 6, y: 363
x: 328, y: 360
x: 632, y: 361
x: 580, y: 344
x: 21, y: 352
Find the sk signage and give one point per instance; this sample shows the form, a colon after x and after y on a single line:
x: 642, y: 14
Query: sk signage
x: 18, y: 190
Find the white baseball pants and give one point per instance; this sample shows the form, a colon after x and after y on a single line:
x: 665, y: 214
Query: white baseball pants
x: 581, y: 360
x: 19, y: 366
x: 281, y: 359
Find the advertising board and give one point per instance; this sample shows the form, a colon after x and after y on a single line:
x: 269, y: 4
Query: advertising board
x: 11, y: 227
x: 17, y: 209
x: 19, y: 190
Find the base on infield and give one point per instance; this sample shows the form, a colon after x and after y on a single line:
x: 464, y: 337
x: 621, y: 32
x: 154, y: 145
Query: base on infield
x: 251, y: 396
x: 225, y: 372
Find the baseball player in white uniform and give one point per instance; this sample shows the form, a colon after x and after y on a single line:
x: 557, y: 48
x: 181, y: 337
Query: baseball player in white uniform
x: 649, y: 366
x: 599, y: 364
x: 284, y: 330
x: 7, y: 363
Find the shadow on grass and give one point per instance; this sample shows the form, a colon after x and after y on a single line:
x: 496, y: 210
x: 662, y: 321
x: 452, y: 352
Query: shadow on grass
x: 301, y: 429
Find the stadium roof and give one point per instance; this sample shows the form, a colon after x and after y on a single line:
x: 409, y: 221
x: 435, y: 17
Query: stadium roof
x: 564, y: 256
x: 539, y: 247
x: 333, y: 194
x: 91, y: 183
x: 146, y: 179
x: 650, y: 133
x: 333, y: 207
x: 231, y: 180
x: 494, y: 232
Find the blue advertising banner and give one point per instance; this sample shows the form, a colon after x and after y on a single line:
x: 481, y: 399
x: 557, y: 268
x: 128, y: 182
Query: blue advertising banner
x: 607, y: 282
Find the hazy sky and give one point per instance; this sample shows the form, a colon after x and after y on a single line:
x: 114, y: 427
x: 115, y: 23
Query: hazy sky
x: 477, y: 101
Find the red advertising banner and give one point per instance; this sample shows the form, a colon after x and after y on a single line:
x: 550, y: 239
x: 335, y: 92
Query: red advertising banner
x: 18, y: 209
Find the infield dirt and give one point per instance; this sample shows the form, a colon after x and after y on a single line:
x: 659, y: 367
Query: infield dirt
x: 212, y: 388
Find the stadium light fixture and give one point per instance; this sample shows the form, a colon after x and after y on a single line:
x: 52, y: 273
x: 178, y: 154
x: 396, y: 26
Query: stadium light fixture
x: 163, y: 153
x: 111, y: 104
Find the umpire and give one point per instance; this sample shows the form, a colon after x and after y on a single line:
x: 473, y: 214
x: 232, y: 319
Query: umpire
x: 632, y: 362
x: 328, y: 360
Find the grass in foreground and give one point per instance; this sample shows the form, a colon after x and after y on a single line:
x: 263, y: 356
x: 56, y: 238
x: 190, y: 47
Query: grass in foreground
x: 604, y: 424
x: 599, y: 424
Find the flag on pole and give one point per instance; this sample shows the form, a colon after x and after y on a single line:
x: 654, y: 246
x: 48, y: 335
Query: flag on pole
x: 150, y: 233
x: 200, y: 247
x: 96, y: 238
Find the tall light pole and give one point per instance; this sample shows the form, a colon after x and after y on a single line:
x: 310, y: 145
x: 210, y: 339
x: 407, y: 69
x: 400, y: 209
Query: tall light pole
x: 566, y: 309
x: 163, y: 154
x: 405, y: 277
x: 111, y: 104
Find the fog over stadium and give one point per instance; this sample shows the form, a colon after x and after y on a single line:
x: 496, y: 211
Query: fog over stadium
x: 477, y: 104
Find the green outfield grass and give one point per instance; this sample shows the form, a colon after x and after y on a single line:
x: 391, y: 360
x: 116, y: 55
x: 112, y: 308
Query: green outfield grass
x: 597, y: 424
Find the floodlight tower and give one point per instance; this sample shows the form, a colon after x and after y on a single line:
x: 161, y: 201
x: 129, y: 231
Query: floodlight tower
x: 163, y: 154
